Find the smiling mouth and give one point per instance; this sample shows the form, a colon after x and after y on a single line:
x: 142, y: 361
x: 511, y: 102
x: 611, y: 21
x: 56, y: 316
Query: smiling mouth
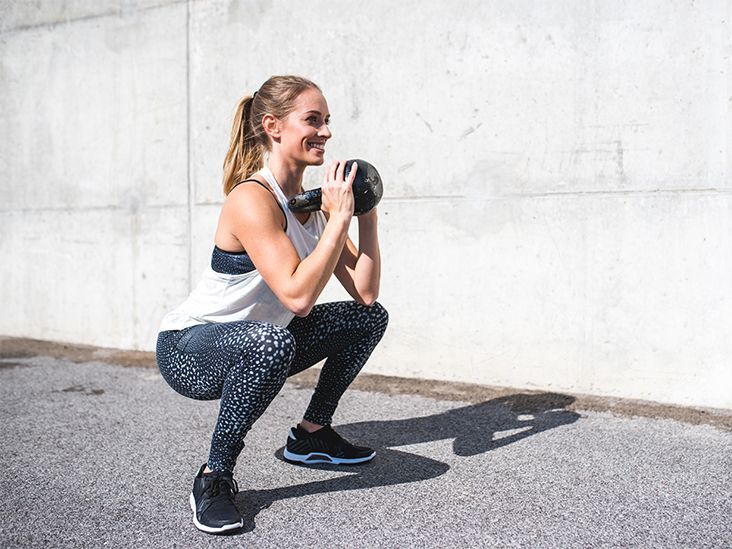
x: 319, y: 146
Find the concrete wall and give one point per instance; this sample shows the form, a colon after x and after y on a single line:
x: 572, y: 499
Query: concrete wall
x: 558, y: 209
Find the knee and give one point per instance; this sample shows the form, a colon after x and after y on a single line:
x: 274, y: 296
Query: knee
x: 378, y: 316
x: 381, y: 312
x: 276, y: 348
x: 375, y: 317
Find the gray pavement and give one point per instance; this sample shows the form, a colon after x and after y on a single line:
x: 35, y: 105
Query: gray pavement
x: 102, y: 455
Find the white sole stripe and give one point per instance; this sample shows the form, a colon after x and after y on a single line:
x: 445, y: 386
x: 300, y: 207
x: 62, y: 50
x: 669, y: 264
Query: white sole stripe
x: 317, y: 457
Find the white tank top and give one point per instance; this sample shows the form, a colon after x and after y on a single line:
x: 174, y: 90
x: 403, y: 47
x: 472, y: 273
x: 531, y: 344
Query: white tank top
x: 228, y: 297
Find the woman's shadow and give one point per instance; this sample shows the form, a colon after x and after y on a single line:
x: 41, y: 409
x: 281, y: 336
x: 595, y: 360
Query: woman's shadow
x: 474, y: 429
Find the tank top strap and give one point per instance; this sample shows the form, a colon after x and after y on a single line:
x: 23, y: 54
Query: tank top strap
x: 269, y: 176
x: 303, y: 237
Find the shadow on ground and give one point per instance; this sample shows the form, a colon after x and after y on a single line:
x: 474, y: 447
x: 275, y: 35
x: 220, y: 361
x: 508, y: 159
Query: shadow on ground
x: 476, y: 429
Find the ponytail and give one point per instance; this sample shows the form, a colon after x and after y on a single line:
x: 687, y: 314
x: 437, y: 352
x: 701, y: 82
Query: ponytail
x: 245, y: 154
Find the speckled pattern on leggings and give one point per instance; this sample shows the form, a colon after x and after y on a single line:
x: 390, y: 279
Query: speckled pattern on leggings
x: 344, y: 332
x: 246, y: 363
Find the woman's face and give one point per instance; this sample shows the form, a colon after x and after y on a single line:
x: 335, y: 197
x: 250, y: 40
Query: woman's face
x: 305, y: 130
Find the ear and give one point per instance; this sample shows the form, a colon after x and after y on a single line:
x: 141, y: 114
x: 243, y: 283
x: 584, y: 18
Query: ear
x: 272, y: 126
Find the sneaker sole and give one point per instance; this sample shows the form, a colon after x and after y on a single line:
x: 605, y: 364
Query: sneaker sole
x: 316, y: 457
x: 210, y: 529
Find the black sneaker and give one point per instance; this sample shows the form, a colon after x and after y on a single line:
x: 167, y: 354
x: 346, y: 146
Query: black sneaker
x: 324, y: 446
x: 212, y: 501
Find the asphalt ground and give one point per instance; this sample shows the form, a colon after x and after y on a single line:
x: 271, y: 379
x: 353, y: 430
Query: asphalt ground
x: 99, y: 454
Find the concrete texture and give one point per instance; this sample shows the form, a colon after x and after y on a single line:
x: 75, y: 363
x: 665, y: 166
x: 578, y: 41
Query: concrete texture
x: 101, y: 455
x: 558, y: 188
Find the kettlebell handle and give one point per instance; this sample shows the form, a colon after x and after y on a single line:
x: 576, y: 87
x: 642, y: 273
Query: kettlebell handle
x: 309, y: 201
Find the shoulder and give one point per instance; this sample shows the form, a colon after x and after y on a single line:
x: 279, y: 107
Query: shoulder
x: 253, y: 201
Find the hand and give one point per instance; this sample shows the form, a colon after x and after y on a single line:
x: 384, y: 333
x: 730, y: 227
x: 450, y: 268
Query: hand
x: 337, y: 192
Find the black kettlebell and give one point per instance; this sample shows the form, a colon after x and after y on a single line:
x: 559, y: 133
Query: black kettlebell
x: 367, y: 191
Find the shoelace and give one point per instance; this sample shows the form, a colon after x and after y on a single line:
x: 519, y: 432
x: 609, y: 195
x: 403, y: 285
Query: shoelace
x: 222, y: 484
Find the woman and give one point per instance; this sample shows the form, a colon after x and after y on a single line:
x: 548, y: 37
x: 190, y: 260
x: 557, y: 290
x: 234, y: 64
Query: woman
x: 252, y: 321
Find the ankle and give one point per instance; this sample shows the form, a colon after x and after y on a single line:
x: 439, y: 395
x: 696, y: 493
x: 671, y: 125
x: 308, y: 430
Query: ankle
x: 308, y: 426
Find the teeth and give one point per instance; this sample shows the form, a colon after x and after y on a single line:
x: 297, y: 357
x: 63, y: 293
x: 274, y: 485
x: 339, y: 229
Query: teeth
x: 320, y: 146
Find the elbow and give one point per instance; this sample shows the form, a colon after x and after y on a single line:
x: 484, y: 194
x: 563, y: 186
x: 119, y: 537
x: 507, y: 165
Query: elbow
x: 367, y: 299
x: 300, y: 307
x: 302, y: 312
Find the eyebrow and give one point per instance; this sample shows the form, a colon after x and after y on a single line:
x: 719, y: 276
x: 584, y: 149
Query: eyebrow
x: 316, y: 112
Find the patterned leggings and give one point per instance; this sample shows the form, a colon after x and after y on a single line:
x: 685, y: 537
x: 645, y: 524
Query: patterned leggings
x: 246, y: 363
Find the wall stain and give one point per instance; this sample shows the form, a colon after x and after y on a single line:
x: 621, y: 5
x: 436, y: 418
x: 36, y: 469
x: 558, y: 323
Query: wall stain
x: 470, y: 130
x: 620, y: 168
x: 429, y: 127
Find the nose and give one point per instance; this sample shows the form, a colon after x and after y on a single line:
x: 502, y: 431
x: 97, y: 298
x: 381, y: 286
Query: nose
x: 325, y: 131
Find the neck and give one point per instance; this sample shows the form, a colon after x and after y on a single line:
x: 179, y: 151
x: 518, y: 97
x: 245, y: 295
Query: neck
x: 288, y: 175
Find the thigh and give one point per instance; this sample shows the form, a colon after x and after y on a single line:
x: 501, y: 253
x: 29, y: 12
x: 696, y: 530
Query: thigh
x: 196, y: 361
x: 327, y: 330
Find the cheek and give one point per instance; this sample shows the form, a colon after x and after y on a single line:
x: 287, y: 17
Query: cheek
x: 292, y: 140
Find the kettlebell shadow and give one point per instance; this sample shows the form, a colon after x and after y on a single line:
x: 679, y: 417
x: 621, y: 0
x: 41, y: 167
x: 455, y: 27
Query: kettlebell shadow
x: 476, y: 428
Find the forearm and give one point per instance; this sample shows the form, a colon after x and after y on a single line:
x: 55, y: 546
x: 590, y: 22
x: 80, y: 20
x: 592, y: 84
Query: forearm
x: 313, y: 273
x: 367, y: 271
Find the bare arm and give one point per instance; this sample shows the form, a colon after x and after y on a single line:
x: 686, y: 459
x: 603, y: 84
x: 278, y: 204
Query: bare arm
x: 359, y: 270
x: 254, y: 219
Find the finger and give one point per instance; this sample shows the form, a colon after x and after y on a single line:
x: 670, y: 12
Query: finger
x: 328, y: 176
x: 341, y: 168
x: 352, y: 174
x: 334, y: 170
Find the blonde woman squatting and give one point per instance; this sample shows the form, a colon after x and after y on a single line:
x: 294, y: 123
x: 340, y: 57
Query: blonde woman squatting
x: 253, y: 320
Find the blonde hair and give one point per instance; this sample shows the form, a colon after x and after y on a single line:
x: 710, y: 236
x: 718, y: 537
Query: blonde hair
x: 248, y: 138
